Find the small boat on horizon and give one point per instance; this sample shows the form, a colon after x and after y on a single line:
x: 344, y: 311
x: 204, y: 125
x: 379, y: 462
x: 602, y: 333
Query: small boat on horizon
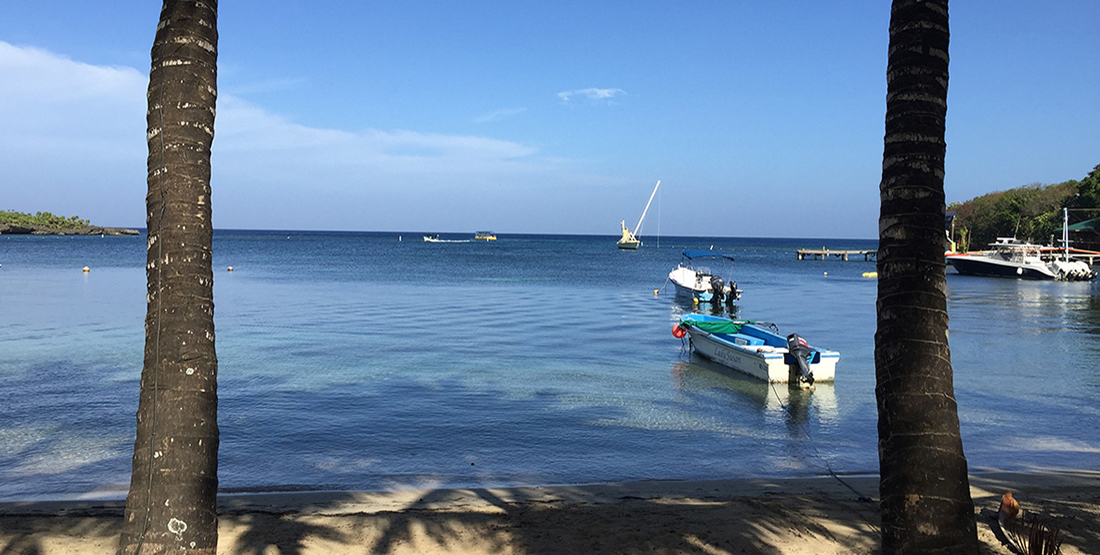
x: 754, y: 349
x: 629, y: 240
x: 484, y: 236
x: 434, y: 238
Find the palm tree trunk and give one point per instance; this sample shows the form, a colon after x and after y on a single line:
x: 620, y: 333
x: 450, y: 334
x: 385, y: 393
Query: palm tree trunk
x: 926, y: 505
x: 173, y: 486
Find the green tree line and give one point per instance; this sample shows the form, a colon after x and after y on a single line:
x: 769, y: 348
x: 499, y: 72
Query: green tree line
x: 1031, y: 212
x: 44, y: 219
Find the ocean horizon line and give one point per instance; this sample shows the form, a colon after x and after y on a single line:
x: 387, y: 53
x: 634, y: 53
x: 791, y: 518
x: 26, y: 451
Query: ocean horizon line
x: 419, y: 233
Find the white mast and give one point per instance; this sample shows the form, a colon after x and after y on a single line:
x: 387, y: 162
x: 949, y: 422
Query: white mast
x: 1065, y: 231
x: 640, y: 220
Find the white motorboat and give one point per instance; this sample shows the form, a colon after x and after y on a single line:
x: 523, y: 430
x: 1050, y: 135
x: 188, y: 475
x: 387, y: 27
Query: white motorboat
x: 1072, y: 270
x: 435, y: 239
x: 1066, y: 268
x: 1010, y: 258
x: 753, y: 349
x: 696, y: 280
x: 1006, y: 257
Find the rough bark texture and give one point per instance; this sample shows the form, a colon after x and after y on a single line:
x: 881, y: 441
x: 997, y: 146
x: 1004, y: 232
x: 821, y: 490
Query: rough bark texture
x: 173, y: 487
x: 926, y: 504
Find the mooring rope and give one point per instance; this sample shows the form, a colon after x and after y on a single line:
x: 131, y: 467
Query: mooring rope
x: 806, y: 432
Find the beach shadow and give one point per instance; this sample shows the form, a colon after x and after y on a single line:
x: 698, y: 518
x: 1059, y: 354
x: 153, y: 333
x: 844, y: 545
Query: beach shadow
x: 27, y: 534
x: 663, y: 525
x: 670, y: 518
x: 562, y: 520
x: 24, y: 544
x: 284, y: 533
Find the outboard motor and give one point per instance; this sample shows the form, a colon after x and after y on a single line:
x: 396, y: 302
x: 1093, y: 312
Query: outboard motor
x: 800, y: 350
x: 716, y: 289
x: 734, y: 293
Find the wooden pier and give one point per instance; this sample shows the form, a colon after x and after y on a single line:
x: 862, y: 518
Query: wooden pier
x: 823, y: 253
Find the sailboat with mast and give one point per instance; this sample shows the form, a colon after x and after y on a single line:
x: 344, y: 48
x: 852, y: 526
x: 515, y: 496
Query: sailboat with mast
x: 630, y: 241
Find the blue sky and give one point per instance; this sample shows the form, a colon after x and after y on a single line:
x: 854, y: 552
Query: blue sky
x: 759, y: 118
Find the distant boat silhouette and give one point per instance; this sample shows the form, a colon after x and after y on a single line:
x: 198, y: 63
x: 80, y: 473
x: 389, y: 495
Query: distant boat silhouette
x: 630, y: 240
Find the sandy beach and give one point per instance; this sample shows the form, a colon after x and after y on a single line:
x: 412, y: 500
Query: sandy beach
x: 800, y: 516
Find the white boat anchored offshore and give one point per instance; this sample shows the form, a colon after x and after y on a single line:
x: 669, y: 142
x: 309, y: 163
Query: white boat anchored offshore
x: 434, y: 238
x: 630, y: 241
x: 1066, y: 268
x: 695, y: 280
x: 1008, y: 257
x: 753, y: 349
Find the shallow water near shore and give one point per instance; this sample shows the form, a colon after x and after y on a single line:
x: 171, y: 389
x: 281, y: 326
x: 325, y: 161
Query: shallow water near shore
x: 355, y: 361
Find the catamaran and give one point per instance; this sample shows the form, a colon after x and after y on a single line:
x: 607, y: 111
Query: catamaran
x: 630, y: 240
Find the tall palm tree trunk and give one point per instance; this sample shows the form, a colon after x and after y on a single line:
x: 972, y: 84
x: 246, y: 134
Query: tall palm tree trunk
x: 173, y: 486
x: 926, y: 505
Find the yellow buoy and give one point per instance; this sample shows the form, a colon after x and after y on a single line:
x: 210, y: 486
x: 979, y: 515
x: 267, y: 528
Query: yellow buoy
x: 87, y: 269
x: 870, y: 274
x: 655, y: 292
x: 229, y: 269
x: 695, y: 302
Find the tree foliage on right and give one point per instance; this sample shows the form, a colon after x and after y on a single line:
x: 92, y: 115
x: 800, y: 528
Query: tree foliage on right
x: 1031, y: 212
x: 925, y: 493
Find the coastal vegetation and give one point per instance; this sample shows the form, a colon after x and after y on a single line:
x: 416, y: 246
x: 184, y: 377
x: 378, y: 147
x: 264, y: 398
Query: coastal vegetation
x: 45, y: 223
x: 42, y: 219
x: 1032, y: 212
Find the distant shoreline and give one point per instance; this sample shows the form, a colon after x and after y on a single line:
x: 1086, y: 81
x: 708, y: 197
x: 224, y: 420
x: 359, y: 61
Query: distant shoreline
x: 19, y: 229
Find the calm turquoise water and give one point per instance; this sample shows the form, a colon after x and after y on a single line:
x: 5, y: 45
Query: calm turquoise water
x: 357, y: 361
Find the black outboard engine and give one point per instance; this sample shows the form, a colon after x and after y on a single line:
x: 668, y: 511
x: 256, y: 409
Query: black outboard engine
x: 716, y: 286
x: 734, y: 293
x: 800, y: 350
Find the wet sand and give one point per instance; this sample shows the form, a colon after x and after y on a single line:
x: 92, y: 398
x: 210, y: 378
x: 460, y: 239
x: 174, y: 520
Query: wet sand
x: 767, y: 516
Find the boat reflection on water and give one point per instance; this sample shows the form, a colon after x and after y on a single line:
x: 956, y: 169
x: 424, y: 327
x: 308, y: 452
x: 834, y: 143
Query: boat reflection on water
x: 794, y: 406
x: 685, y: 305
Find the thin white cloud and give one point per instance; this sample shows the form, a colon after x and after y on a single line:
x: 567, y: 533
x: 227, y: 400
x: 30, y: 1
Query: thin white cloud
x: 498, y: 115
x: 35, y: 75
x: 47, y: 97
x: 591, y: 94
x: 74, y: 136
x: 250, y: 136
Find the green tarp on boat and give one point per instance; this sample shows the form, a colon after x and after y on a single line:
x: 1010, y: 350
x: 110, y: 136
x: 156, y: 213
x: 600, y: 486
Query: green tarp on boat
x: 714, y: 326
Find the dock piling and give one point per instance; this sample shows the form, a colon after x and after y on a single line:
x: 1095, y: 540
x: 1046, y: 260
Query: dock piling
x: 823, y: 253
